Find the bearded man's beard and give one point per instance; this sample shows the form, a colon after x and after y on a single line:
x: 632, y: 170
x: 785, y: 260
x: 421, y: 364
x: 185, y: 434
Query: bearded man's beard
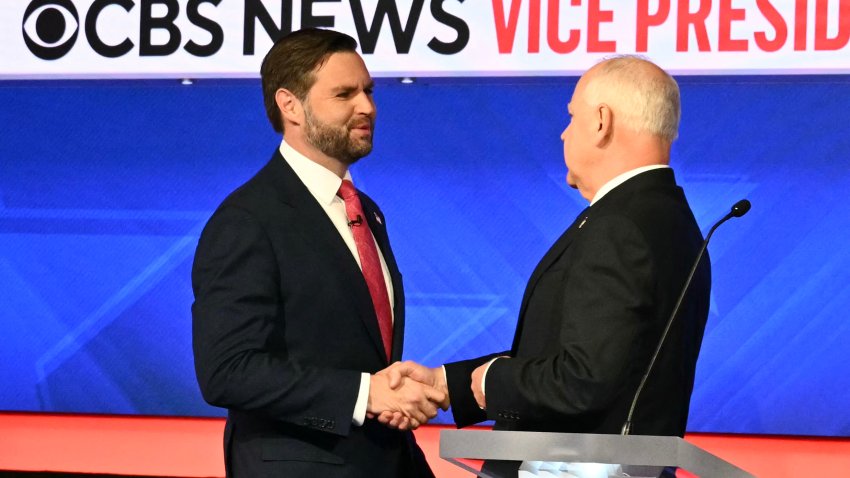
x: 336, y: 141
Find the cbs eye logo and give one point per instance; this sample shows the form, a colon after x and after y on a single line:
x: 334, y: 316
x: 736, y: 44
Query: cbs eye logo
x: 50, y: 28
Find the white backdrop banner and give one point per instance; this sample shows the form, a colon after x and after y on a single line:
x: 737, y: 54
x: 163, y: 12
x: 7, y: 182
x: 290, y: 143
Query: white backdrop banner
x: 421, y: 38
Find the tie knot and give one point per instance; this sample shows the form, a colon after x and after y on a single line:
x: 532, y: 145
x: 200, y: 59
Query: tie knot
x: 346, y: 190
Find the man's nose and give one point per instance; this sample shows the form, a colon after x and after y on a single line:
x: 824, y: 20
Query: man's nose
x: 365, y: 104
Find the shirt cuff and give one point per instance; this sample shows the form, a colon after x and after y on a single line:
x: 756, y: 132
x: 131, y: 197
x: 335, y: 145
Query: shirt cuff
x: 362, y: 401
x: 484, y: 376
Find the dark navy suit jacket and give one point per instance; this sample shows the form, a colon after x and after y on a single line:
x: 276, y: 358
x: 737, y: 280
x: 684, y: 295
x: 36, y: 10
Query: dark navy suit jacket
x: 283, y: 327
x: 591, y: 316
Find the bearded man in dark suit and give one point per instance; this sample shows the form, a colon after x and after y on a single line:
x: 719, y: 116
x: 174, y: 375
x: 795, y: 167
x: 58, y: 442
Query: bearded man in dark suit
x: 298, y: 298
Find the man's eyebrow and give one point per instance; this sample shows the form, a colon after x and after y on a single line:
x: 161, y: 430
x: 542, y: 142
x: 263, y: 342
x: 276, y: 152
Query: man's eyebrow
x: 350, y: 88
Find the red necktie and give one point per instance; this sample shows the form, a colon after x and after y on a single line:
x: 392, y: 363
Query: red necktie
x: 369, y: 262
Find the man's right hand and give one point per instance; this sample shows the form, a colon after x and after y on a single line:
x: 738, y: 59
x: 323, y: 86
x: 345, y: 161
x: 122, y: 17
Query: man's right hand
x: 434, y: 377
x: 406, y: 404
x: 400, y: 372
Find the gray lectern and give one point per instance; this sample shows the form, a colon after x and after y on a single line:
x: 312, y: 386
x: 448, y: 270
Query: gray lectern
x: 640, y: 452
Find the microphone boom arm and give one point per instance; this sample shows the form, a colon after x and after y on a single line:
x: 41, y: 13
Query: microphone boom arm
x: 739, y: 209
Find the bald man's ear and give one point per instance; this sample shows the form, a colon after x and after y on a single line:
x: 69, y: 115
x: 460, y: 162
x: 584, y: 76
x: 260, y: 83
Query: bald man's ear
x: 290, y: 107
x: 604, y: 124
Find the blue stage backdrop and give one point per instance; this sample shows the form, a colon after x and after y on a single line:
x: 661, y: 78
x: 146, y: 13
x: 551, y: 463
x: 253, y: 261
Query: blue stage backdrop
x: 105, y: 186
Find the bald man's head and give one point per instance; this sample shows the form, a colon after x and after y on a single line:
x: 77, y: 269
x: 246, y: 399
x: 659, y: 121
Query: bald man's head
x: 642, y: 96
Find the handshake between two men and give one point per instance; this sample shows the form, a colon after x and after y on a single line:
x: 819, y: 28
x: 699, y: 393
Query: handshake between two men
x: 406, y: 395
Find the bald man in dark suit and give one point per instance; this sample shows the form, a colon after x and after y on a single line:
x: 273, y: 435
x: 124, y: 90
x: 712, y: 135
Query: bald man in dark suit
x: 595, y: 306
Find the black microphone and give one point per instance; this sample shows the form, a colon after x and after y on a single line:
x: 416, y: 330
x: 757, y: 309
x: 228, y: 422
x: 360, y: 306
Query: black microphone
x: 356, y: 222
x: 738, y: 209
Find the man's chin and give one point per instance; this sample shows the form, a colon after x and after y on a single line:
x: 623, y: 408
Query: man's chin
x: 361, y: 148
x: 355, y: 154
x: 361, y: 140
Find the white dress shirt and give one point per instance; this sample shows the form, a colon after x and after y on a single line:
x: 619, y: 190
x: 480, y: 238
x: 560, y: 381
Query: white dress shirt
x: 323, y: 184
x: 607, y: 187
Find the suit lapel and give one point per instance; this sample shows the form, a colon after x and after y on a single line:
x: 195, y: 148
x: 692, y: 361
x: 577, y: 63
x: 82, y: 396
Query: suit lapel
x: 553, y: 254
x: 316, y: 227
x: 663, y: 177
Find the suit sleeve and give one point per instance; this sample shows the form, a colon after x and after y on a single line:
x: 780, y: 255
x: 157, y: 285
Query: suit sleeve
x: 602, y: 311
x: 465, y: 410
x: 235, y: 278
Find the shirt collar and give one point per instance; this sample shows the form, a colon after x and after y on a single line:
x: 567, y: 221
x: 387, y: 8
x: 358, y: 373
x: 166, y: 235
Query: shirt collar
x: 607, y: 187
x: 322, y: 183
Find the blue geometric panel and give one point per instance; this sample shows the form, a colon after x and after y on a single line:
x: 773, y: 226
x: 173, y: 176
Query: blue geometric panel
x: 105, y: 186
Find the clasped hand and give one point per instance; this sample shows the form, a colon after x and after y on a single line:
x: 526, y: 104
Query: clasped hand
x: 406, y: 395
